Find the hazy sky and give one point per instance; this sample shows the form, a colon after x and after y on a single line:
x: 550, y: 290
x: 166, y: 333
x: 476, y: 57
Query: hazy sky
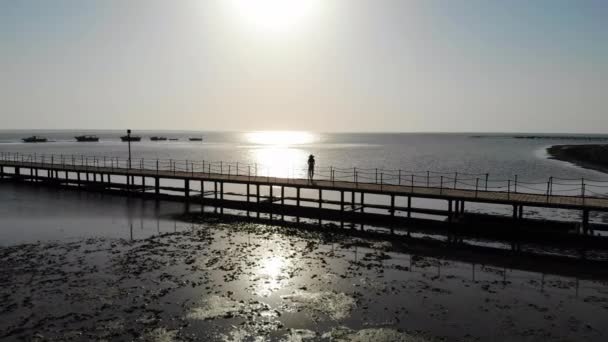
x: 339, y: 65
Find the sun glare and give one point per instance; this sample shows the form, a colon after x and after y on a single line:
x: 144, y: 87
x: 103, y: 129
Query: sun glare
x: 275, y: 16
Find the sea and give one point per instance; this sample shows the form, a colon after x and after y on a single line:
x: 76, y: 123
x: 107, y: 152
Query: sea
x: 34, y: 214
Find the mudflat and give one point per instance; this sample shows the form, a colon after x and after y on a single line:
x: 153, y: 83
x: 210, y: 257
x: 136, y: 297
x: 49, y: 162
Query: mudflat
x: 252, y: 282
x: 593, y: 157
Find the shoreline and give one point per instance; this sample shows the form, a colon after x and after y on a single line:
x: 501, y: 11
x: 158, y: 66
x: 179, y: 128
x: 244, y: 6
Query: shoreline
x: 588, y: 156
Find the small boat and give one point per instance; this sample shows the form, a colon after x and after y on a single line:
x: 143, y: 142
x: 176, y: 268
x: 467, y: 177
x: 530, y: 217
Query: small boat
x: 173, y: 139
x: 158, y: 138
x: 130, y: 138
x: 34, y: 139
x: 195, y: 139
x: 87, y: 138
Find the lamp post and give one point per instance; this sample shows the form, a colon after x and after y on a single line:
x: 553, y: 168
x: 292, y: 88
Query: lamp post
x: 129, y: 143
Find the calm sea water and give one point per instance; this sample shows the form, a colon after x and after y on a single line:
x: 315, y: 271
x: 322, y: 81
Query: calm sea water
x: 501, y: 156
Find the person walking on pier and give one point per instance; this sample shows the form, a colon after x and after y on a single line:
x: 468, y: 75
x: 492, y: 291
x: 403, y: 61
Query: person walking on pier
x: 311, y: 167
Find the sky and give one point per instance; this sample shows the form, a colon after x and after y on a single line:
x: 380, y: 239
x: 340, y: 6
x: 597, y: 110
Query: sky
x: 331, y: 65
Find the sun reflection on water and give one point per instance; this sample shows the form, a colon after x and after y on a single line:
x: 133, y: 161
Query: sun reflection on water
x: 272, y: 274
x: 276, y: 155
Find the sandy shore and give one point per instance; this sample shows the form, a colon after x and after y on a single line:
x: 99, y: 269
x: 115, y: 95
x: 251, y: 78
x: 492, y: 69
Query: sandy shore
x: 251, y: 282
x: 594, y: 157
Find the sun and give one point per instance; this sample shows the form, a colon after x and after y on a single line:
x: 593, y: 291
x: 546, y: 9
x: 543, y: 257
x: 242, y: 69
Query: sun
x: 275, y: 16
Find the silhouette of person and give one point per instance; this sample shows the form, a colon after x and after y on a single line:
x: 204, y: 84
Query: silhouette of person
x: 311, y: 167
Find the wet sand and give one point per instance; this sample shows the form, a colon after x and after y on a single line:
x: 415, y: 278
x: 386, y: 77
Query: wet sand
x: 252, y: 282
x: 594, y: 157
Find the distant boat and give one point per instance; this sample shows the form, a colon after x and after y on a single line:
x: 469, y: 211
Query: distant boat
x: 158, y: 138
x: 34, y: 139
x: 87, y: 138
x: 195, y: 139
x: 130, y: 138
x: 173, y: 139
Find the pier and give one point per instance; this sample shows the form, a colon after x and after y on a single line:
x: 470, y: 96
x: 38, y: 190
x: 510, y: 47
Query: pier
x: 205, y: 183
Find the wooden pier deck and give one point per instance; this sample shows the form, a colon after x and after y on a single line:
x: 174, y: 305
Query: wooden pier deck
x: 76, y: 174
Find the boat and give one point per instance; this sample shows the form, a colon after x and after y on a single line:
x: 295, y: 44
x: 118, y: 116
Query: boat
x: 158, y: 138
x: 87, y: 138
x: 130, y: 138
x: 195, y: 139
x: 173, y: 139
x: 34, y: 139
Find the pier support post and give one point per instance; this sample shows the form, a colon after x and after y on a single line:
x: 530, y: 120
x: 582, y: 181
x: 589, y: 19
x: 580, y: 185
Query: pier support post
x: 342, y: 201
x: 352, y: 199
x: 450, y: 214
x: 215, y: 190
x: 298, y: 197
x: 282, y: 200
x: 257, y: 193
x: 585, y: 221
x: 143, y: 183
x: 362, y: 202
x: 17, y: 171
x: 248, y: 193
x: 321, y: 199
x: 222, y: 197
x: 257, y: 196
x: 187, y: 189
x: 462, y: 208
x: 271, y: 192
x: 202, y: 193
x: 156, y: 185
x: 392, y: 205
x: 521, y: 212
x: 515, y: 211
x: 36, y: 175
x: 409, y: 206
x: 1, y: 172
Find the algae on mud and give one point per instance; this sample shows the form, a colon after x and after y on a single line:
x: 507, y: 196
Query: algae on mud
x: 251, y: 282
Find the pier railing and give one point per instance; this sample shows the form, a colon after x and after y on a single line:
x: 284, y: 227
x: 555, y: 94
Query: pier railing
x: 552, y: 186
